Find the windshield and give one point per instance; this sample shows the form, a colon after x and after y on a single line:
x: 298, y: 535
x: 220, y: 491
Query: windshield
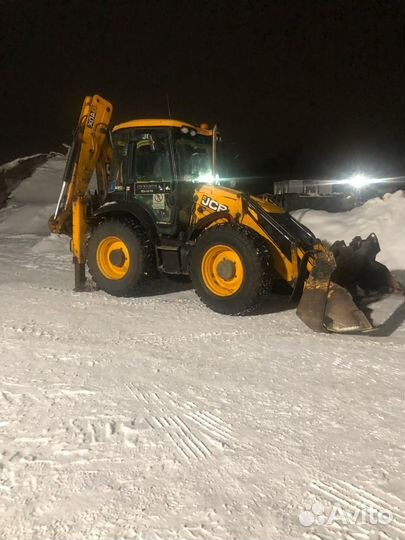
x: 140, y: 155
x: 194, y: 157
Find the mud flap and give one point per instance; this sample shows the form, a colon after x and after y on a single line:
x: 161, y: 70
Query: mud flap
x: 325, y: 305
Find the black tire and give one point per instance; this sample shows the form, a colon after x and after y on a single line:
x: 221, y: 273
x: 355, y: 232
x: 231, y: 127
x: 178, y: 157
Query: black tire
x: 135, y: 240
x: 256, y: 263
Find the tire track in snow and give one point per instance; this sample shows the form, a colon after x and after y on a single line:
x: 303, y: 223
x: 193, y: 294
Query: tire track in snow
x: 194, y: 433
x: 187, y: 442
x: 352, y: 499
x: 46, y: 331
x: 189, y: 437
x: 214, y: 428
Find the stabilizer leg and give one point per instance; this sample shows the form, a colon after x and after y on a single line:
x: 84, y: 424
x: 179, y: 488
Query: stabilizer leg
x: 80, y: 276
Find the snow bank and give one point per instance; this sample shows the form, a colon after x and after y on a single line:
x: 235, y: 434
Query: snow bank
x: 385, y: 217
x: 34, y: 200
x: 13, y: 164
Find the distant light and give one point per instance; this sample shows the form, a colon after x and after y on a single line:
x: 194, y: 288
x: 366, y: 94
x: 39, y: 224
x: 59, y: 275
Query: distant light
x: 359, y: 180
x: 207, y: 178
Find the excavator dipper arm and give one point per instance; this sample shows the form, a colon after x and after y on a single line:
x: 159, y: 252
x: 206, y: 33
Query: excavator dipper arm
x: 91, y: 150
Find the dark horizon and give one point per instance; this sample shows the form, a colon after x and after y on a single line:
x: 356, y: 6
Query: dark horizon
x: 309, y: 89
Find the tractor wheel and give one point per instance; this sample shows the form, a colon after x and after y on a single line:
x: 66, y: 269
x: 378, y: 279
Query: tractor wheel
x: 117, y: 256
x: 229, y: 269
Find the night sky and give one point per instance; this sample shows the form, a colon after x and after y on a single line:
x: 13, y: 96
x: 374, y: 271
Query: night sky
x: 303, y: 88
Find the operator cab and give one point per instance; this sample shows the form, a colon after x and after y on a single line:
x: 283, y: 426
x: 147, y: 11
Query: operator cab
x: 159, y: 163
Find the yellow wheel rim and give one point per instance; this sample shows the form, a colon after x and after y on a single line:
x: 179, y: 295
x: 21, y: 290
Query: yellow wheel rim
x: 113, y: 258
x: 222, y: 270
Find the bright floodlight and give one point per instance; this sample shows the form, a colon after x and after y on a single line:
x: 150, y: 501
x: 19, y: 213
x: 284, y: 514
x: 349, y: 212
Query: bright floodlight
x: 207, y: 178
x: 359, y: 180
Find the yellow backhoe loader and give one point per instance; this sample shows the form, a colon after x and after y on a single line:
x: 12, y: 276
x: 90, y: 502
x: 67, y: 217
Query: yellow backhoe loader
x: 159, y: 205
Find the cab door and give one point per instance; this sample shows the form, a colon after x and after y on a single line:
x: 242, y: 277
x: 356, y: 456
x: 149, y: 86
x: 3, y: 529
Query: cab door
x: 151, y: 172
x: 143, y: 169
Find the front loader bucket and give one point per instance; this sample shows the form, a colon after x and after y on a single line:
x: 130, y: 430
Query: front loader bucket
x: 342, y: 314
x: 327, y: 306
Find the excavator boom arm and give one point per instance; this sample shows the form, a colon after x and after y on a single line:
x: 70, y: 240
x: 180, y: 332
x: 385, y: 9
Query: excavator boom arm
x: 91, y: 150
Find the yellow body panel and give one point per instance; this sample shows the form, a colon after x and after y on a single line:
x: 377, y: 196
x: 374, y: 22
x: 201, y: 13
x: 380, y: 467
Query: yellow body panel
x: 213, y: 198
x: 161, y: 122
x: 268, y: 206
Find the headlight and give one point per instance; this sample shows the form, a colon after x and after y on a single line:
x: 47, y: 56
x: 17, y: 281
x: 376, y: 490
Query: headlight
x: 207, y: 178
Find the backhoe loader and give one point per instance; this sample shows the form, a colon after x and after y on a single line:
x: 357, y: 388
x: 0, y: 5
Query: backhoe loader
x: 159, y: 205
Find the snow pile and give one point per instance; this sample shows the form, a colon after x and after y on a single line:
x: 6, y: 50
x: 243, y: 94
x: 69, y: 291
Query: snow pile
x: 13, y: 164
x: 34, y: 200
x: 385, y: 217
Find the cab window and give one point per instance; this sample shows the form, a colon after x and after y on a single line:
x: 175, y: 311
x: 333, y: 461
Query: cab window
x: 150, y: 156
x: 140, y: 156
x: 194, y: 157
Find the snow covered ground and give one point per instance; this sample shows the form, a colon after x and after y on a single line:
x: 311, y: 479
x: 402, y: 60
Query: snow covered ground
x: 153, y: 418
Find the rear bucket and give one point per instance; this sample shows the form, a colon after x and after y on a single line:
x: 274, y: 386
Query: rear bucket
x: 325, y: 306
